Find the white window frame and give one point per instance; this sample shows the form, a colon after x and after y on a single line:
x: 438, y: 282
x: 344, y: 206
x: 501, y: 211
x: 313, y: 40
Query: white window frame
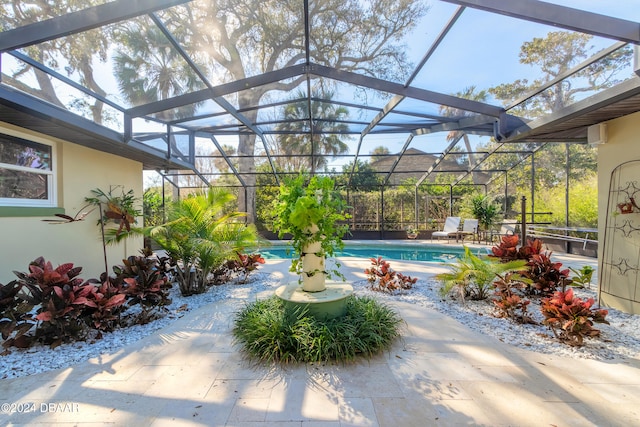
x: 52, y: 200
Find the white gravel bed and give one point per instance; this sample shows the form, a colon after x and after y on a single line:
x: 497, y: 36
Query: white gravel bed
x: 619, y: 340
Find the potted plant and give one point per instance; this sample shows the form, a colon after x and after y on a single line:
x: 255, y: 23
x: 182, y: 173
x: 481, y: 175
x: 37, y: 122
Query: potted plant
x: 313, y: 213
x: 485, y: 211
x: 412, y: 232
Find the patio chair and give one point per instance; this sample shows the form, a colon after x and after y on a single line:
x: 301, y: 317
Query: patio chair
x: 508, y: 228
x: 450, y: 229
x: 469, y: 228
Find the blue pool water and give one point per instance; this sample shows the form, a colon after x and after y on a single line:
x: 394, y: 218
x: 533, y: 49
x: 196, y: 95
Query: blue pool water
x: 398, y: 252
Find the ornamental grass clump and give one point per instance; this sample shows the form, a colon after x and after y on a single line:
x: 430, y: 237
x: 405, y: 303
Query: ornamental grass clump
x: 269, y: 331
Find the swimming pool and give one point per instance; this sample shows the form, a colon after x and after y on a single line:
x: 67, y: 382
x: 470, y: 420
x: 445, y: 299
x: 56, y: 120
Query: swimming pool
x: 431, y: 253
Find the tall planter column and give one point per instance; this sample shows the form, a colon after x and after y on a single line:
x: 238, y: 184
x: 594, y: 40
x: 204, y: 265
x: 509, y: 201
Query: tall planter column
x: 314, y: 276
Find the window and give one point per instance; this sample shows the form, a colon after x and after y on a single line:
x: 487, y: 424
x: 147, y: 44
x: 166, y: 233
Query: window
x: 26, y: 173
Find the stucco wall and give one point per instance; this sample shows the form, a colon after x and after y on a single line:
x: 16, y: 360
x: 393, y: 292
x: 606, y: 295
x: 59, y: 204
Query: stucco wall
x: 620, y: 286
x: 80, y: 170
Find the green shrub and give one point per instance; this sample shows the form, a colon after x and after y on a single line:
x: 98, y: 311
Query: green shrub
x: 270, y: 332
x: 473, y: 276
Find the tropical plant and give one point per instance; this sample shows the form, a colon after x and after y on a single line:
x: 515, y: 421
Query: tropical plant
x: 546, y: 275
x: 59, y: 296
x: 570, y: 318
x: 15, y: 318
x: 311, y: 211
x: 144, y: 284
x: 53, y: 305
x: 201, y: 235
x: 119, y: 209
x: 485, y: 210
x: 582, y: 276
x: 312, y: 129
x: 509, y: 301
x: 243, y: 265
x: 109, y: 303
x: 473, y: 275
x: 383, y: 278
x: 508, y: 248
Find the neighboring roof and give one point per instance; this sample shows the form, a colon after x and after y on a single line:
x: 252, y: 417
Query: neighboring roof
x: 413, y: 163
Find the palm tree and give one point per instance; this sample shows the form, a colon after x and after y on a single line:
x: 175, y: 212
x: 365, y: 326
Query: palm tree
x: 200, y: 235
x: 149, y: 69
x: 379, y: 153
x: 315, y: 134
x: 447, y: 111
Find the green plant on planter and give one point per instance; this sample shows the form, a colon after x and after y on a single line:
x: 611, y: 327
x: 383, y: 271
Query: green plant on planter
x: 312, y: 211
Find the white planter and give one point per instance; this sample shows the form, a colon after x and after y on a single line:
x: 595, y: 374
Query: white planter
x: 313, y: 267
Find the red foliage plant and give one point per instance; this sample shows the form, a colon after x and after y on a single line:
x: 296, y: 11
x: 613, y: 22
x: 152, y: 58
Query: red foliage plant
x: 508, y: 249
x: 384, y: 279
x: 545, y: 274
x: 570, y: 318
x: 509, y: 300
x: 244, y: 265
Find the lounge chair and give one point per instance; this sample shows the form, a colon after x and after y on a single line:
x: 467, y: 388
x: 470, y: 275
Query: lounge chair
x: 508, y: 228
x: 450, y: 229
x: 469, y: 228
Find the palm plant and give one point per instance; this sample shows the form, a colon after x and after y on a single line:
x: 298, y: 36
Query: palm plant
x: 201, y: 235
x: 149, y: 69
x: 473, y: 275
x: 313, y: 128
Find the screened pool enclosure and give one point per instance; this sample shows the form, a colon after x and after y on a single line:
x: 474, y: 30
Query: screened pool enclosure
x: 411, y: 105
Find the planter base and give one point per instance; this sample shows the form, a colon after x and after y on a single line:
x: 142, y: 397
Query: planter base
x: 327, y: 304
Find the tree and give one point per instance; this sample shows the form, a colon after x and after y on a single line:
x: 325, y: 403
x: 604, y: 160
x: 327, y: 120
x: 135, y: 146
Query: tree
x: 149, y: 69
x: 365, y: 178
x: 315, y: 138
x: 555, y: 54
x: 379, y: 153
x: 74, y: 54
x: 246, y: 37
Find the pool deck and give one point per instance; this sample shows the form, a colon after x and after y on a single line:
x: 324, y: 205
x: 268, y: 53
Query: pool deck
x: 440, y: 374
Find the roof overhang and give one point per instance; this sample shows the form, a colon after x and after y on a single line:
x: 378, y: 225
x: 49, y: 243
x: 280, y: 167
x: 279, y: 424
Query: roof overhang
x: 30, y: 113
x: 571, y: 123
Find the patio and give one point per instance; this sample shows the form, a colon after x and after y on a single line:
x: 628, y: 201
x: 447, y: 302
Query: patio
x: 441, y: 373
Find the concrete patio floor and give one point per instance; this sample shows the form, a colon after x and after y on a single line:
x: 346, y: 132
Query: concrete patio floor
x: 441, y: 373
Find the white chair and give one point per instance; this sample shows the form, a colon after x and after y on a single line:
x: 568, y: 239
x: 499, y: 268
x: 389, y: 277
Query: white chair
x: 508, y: 228
x: 469, y: 228
x: 450, y: 229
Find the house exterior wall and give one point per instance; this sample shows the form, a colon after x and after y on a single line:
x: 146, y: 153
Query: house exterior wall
x: 79, y: 170
x: 620, y: 287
